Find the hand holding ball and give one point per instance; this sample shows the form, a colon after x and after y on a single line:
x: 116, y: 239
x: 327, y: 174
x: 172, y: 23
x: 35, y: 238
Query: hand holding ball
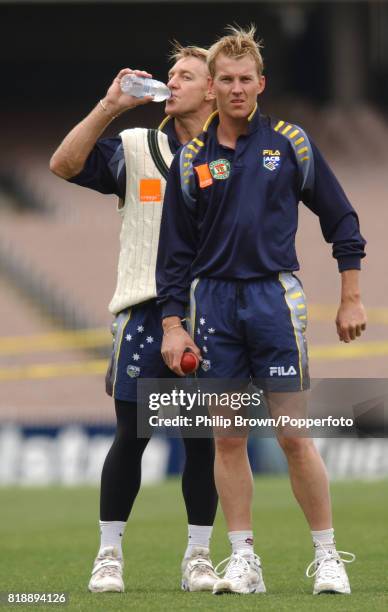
x: 189, y: 362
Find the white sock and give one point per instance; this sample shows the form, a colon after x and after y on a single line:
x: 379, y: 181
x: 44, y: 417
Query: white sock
x: 198, y: 535
x: 323, y: 541
x: 241, y: 541
x: 111, y: 535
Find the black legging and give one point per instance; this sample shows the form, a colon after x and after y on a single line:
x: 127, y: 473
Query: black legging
x: 121, y: 474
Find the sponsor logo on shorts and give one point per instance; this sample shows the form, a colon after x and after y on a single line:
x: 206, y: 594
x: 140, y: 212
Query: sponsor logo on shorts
x: 282, y: 371
x: 220, y: 169
x: 206, y: 365
x: 271, y: 159
x: 133, y: 371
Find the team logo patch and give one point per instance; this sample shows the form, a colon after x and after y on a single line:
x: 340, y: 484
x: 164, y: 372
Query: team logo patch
x: 271, y: 159
x: 220, y: 169
x: 206, y: 365
x: 133, y: 371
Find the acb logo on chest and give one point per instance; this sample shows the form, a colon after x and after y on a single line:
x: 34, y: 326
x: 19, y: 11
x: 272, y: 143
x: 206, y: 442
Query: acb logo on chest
x: 271, y: 159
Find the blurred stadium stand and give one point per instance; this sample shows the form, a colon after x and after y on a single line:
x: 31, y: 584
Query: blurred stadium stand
x: 327, y: 69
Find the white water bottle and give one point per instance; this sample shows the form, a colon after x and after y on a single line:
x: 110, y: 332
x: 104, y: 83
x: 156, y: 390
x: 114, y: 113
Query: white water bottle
x: 139, y: 87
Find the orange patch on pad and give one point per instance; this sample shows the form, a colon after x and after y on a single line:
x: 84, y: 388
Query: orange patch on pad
x: 204, y: 175
x: 150, y: 190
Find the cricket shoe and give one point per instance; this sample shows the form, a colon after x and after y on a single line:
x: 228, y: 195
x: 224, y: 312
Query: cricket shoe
x: 197, y: 571
x: 242, y: 574
x: 329, y: 571
x: 107, y: 572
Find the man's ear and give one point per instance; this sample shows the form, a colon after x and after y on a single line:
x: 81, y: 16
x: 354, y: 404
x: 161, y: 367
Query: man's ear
x: 210, y: 95
x: 261, y: 85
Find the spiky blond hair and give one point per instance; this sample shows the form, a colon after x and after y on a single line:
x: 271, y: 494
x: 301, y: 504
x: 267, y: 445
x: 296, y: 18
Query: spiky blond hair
x: 238, y: 43
x: 179, y: 52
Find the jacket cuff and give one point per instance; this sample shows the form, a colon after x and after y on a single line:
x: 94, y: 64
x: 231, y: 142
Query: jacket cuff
x: 173, y: 309
x: 349, y: 262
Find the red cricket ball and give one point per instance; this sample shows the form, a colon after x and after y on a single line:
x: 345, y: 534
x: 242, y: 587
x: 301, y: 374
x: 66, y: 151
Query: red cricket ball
x: 189, y: 362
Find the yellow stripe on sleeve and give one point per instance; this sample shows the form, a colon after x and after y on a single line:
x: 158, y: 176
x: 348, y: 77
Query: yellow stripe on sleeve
x: 198, y: 142
x: 278, y: 126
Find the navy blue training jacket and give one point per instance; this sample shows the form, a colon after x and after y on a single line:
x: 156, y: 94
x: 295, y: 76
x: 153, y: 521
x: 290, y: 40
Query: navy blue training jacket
x: 233, y: 213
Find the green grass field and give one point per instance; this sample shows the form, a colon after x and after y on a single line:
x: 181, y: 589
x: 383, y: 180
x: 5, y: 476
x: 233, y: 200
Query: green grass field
x: 49, y: 539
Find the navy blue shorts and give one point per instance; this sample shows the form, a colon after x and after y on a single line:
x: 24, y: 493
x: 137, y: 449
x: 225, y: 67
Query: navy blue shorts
x: 252, y: 330
x: 137, y: 338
